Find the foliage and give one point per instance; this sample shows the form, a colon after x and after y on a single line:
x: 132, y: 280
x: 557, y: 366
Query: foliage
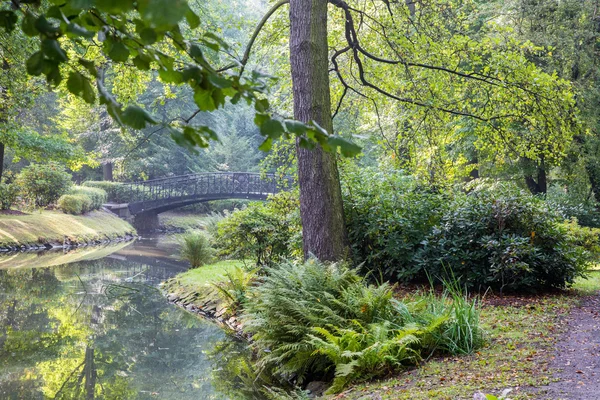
x: 313, y: 319
x: 498, y: 236
x: 196, y: 248
x: 149, y: 38
x: 266, y: 233
x: 43, y: 184
x: 97, y: 196
x: 8, y: 195
x: 75, y: 203
x: 115, y: 191
x: 233, y: 289
x: 388, y: 215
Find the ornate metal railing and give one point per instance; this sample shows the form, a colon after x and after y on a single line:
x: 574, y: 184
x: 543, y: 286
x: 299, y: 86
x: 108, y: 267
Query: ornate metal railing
x: 215, y: 184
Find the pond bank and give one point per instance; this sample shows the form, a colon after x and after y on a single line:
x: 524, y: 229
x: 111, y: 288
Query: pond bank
x: 50, y: 229
x: 193, y: 291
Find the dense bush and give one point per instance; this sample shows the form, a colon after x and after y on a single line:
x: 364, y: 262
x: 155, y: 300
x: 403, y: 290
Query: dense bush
x: 314, y: 320
x: 8, y: 195
x: 196, y: 248
x: 115, y: 191
x: 388, y: 215
x: 265, y: 232
x: 500, y: 237
x: 74, y: 203
x: 43, y: 184
x: 97, y: 196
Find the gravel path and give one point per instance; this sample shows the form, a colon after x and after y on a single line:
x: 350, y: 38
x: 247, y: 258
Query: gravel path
x: 578, y: 355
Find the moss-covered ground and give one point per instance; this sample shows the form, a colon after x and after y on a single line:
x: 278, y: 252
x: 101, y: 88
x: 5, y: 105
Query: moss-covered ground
x: 522, y: 333
x: 46, y: 226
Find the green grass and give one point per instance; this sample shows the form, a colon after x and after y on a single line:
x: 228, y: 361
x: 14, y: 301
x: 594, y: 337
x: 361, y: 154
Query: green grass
x: 197, y: 279
x: 181, y: 221
x: 521, y: 332
x: 53, y: 226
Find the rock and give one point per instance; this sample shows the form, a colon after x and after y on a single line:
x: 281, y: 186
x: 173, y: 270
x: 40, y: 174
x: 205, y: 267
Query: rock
x: 316, y: 389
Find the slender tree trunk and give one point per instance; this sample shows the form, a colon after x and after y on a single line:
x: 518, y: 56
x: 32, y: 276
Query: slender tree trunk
x: 107, y: 171
x: 321, y: 208
x: 1, y: 160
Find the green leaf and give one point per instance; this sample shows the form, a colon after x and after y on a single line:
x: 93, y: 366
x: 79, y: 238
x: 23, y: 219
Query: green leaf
x: 347, y: 148
x: 204, y: 100
x: 170, y: 76
x: 192, y: 19
x: 295, y: 127
x: 118, y: 52
x: 261, y: 105
x: 53, y: 51
x: 162, y: 14
x: 219, y: 81
x: 35, y: 63
x: 266, y: 145
x: 89, y: 65
x: 115, y: 6
x: 8, y: 20
x: 52, y: 72
x: 80, y: 86
x: 28, y: 25
x: 136, y: 117
x: 45, y: 27
x: 272, y: 128
x: 88, y: 94
x: 148, y: 36
x: 142, y: 61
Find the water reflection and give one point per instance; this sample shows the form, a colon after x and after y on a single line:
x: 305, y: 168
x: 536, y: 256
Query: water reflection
x: 99, y: 328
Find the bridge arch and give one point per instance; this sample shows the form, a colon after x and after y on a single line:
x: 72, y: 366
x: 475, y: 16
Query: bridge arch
x: 147, y: 199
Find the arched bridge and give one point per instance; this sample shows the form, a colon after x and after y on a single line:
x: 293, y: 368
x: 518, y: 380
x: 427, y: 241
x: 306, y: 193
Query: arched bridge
x: 146, y: 199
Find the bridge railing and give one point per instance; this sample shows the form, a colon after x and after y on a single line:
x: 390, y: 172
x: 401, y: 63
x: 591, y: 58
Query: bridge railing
x: 226, y: 183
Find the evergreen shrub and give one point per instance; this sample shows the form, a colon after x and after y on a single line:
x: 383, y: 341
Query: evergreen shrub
x: 97, y: 196
x: 43, y: 184
x: 74, y: 203
x: 8, y: 195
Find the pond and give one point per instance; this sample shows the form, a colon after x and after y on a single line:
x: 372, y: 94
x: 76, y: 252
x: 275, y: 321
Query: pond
x: 93, y: 324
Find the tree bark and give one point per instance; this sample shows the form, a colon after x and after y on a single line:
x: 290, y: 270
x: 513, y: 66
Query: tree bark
x: 1, y: 160
x: 107, y: 171
x: 541, y: 185
x: 321, y: 208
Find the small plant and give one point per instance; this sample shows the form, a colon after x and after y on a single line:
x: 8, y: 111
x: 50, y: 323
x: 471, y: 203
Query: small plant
x: 233, y: 290
x: 503, y: 396
x: 8, y: 195
x: 196, y: 248
x: 43, y: 184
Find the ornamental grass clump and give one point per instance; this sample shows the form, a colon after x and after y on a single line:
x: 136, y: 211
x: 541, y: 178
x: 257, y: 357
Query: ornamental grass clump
x: 313, y: 320
x: 196, y: 248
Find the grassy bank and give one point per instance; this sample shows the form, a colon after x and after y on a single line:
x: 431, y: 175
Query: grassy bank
x: 522, y: 333
x: 172, y: 221
x: 197, y: 279
x: 53, y: 226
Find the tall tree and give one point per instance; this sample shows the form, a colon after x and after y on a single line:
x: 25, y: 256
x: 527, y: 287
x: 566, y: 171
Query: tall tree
x: 320, y: 193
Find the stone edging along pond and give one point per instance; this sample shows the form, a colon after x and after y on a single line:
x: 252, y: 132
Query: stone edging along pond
x: 209, y: 308
x: 67, y: 243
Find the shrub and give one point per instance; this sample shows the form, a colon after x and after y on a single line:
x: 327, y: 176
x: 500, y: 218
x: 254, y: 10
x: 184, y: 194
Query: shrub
x: 195, y: 248
x: 115, y: 191
x: 43, y: 184
x: 317, y: 320
x: 74, y: 203
x: 97, y: 196
x: 265, y: 232
x: 388, y: 215
x: 500, y: 237
x: 8, y: 195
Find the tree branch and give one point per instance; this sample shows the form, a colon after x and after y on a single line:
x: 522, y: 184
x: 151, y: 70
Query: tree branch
x: 257, y: 30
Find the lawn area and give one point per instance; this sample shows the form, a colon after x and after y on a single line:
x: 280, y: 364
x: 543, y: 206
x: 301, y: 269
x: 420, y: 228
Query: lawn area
x: 52, y: 227
x: 195, y: 279
x: 522, y: 332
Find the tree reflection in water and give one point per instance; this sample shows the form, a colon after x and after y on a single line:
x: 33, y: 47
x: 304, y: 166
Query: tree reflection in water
x: 101, y: 330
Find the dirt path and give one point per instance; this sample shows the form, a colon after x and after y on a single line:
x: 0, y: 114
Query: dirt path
x: 578, y: 355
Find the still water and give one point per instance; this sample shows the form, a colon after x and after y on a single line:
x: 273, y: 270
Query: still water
x: 91, y: 324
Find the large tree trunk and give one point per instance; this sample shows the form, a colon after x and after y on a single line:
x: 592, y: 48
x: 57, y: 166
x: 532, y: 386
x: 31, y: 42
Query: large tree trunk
x: 541, y: 185
x: 321, y: 207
